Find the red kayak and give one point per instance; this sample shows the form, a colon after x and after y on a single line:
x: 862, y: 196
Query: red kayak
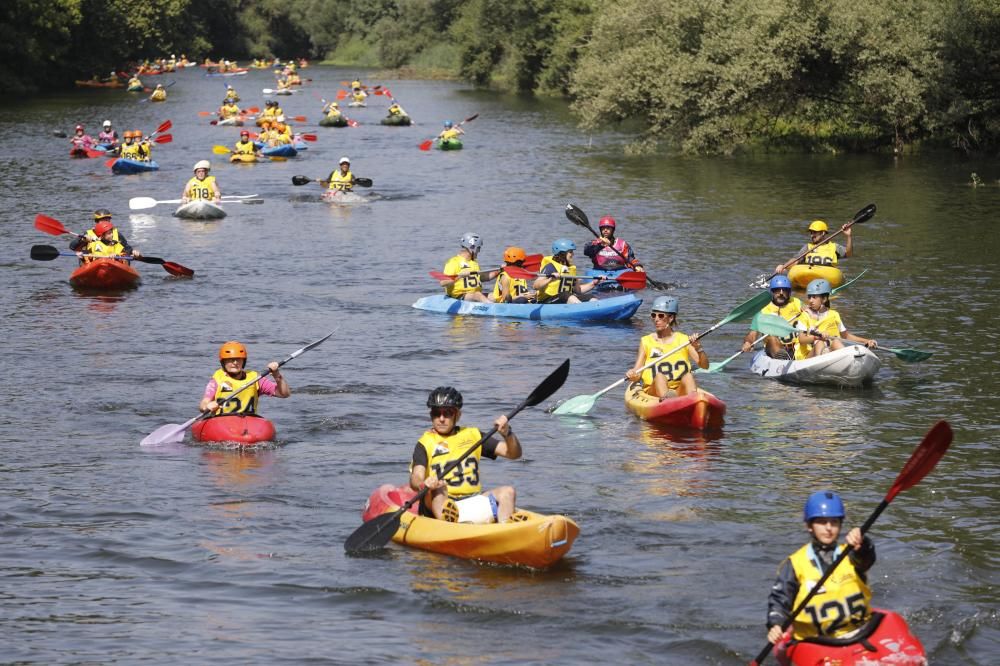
x: 886, y: 639
x: 105, y: 274
x: 233, y: 428
x: 78, y: 152
x: 700, y: 410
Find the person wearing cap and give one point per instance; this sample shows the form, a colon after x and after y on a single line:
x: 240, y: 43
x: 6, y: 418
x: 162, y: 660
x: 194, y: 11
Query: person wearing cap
x: 509, y: 289
x: 396, y: 110
x: 821, y: 328
x: 233, y: 375
x: 245, y: 146
x: 229, y: 109
x: 108, y: 136
x: 332, y: 110
x: 231, y: 93
x: 134, y: 84
x: 341, y: 178
x: 80, y: 138
x: 671, y: 375
x: 103, y: 239
x: 606, y: 252
x: 134, y: 147
x: 820, y: 252
x: 159, y: 95
x: 467, y: 281
x: 272, y: 110
x: 450, y: 131
x: 201, y: 186
x: 557, y: 282
x: 785, y: 306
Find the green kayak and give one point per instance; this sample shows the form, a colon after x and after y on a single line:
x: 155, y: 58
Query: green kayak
x: 399, y: 121
x: 449, y: 144
x: 335, y: 121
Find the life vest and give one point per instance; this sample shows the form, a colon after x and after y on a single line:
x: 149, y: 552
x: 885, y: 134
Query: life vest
x: 158, y: 95
x: 465, y: 284
x: 516, y: 287
x: 101, y: 249
x: 341, y: 181
x: 245, y: 401
x: 333, y: 112
x: 107, y: 137
x: 245, y: 148
x: 673, y: 366
x: 200, y: 189
x: 272, y: 112
x: 840, y: 607
x: 790, y: 312
x: 450, y: 134
x: 607, y: 259
x: 821, y: 255
x: 134, y: 151
x: 557, y: 285
x: 360, y: 96
x: 828, y: 323
x: 396, y: 111
x: 464, y: 480
x: 229, y: 111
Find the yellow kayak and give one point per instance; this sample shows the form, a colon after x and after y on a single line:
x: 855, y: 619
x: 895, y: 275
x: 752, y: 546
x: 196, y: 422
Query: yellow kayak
x: 802, y: 274
x: 245, y: 158
x: 528, y: 539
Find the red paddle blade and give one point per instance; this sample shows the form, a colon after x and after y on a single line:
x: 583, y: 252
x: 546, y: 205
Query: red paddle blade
x: 928, y: 453
x: 206, y: 113
x: 438, y: 275
x: 299, y: 119
x: 632, y: 280
x: 177, y: 269
x: 254, y: 135
x: 213, y: 122
x: 50, y: 225
x: 165, y: 138
x: 518, y: 273
x: 252, y: 109
x: 163, y: 127
x: 426, y: 145
x: 110, y: 163
x: 352, y: 123
x: 341, y: 94
x: 96, y: 153
x: 532, y: 262
x: 379, y: 91
x: 309, y: 137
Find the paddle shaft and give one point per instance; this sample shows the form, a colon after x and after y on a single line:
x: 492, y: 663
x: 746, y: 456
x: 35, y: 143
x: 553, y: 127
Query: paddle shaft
x: 862, y: 215
x: 583, y: 221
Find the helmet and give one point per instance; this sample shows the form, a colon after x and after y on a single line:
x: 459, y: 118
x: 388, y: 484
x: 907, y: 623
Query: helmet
x: 447, y: 123
x: 102, y: 213
x: 127, y: 134
x: 265, y: 124
x: 280, y: 126
x: 818, y: 225
x: 159, y: 85
x: 245, y: 133
x: 606, y: 221
x: 513, y: 254
x: 817, y: 287
x: 779, y: 282
x: 79, y: 128
x: 472, y: 242
x: 824, y: 504
x: 563, y: 245
x: 202, y: 164
x: 229, y: 86
x: 232, y: 349
x: 103, y: 227
x: 229, y: 100
x: 335, y: 105
x: 106, y: 123
x: 665, y: 304
x: 344, y: 160
x: 445, y: 396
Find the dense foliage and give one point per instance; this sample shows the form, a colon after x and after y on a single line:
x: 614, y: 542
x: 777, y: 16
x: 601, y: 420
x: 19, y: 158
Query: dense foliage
x: 699, y: 75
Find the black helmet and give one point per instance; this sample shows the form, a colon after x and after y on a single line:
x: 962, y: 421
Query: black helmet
x: 445, y: 396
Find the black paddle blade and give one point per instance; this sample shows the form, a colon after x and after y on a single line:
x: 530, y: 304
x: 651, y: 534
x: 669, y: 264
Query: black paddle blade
x: 865, y: 214
x: 373, y: 535
x: 551, y: 384
x: 44, y: 252
x: 577, y: 216
x: 300, y: 180
x: 59, y: 133
x: 363, y: 182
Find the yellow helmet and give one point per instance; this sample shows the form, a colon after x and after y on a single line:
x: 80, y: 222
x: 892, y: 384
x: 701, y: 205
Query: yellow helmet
x: 818, y: 225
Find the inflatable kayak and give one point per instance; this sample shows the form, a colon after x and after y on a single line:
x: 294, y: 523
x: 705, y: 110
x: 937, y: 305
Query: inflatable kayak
x: 700, y: 410
x: 853, y: 365
x: 200, y: 210
x: 616, y: 308
x: 449, y: 144
x: 609, y: 283
x: 397, y: 121
x: 138, y: 88
x: 105, y: 274
x: 285, y: 150
x: 78, y: 153
x: 243, y: 158
x: 233, y: 428
x: 357, y: 105
x: 235, y: 72
x: 886, y: 639
x: 528, y: 539
x: 99, y: 84
x: 342, y: 197
x: 802, y: 274
x: 233, y: 121
x: 126, y: 167
x: 333, y: 121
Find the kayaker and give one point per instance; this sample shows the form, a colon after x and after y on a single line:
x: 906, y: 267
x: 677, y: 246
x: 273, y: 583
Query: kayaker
x: 450, y: 132
x: 233, y: 375
x: 785, y: 306
x: 821, y: 253
x: 133, y: 149
x: 467, y: 285
x: 552, y: 288
x: 231, y: 93
x: 229, y: 109
x: 358, y: 96
x: 512, y: 290
x: 843, y: 604
x: 459, y: 498
x: 671, y: 376
x: 135, y: 84
x: 602, y: 251
x: 81, y: 139
x: 108, y: 136
x: 282, y: 132
x: 245, y: 146
x: 396, y: 110
x: 822, y: 328
x: 202, y: 186
x: 272, y: 110
x: 332, y: 110
x: 341, y: 178
x: 103, y: 239
x: 356, y: 84
x: 159, y: 94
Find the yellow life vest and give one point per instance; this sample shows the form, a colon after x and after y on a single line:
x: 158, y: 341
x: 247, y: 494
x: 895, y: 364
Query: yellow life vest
x: 102, y: 249
x: 821, y: 255
x: 396, y: 110
x: 841, y: 606
x: 134, y: 151
x: 229, y: 111
x: 200, y: 189
x: 360, y: 97
x: 516, y: 288
x: 557, y: 285
x: 673, y: 366
x: 341, y: 181
x: 245, y: 401
x: 464, y: 480
x: 450, y: 134
x: 465, y: 284
x: 828, y: 323
x: 334, y: 112
x: 791, y: 311
x: 158, y: 95
x: 245, y: 148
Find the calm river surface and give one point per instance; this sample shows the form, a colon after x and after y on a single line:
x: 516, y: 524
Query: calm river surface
x: 112, y: 553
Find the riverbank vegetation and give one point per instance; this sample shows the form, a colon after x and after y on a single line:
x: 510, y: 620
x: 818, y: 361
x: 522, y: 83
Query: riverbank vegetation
x: 694, y: 75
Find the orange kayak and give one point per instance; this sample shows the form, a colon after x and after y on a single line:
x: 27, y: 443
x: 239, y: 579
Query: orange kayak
x: 105, y: 274
x: 700, y: 410
x: 233, y: 428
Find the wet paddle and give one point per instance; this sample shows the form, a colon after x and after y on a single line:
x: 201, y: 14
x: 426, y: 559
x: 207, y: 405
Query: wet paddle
x: 426, y: 145
x: 377, y: 532
x: 172, y: 433
x: 579, y: 218
x: 632, y: 280
x: 582, y: 404
x: 142, y: 203
x: 48, y: 253
x: 927, y: 454
x: 863, y: 215
x: 302, y: 180
x: 770, y: 324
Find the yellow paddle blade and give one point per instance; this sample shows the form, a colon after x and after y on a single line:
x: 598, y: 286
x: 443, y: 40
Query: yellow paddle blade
x: 220, y: 150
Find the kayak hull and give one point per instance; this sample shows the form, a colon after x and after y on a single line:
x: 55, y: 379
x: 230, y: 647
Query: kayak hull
x: 700, y: 410
x: 285, y: 150
x: 105, y: 274
x: 357, y: 105
x: 886, y: 639
x: 78, y: 153
x: 342, y: 197
x: 449, y: 144
x: 200, y: 210
x: 233, y: 428
x: 234, y: 121
x: 802, y: 274
x: 126, y: 167
x: 529, y: 540
x: 608, y: 309
x: 609, y: 283
x: 853, y: 365
x: 396, y: 121
x: 338, y: 121
x: 243, y: 158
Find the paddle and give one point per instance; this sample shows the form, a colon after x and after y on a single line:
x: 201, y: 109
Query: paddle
x: 147, y: 99
x: 171, y: 433
x: 863, y: 215
x: 770, y: 324
x: 579, y: 218
x: 426, y: 145
x: 927, y: 454
x: 377, y: 532
x: 582, y: 404
x: 142, y: 203
x: 530, y: 262
x: 48, y: 253
x: 628, y: 279
x: 302, y: 180
x: 307, y: 137
x: 350, y: 123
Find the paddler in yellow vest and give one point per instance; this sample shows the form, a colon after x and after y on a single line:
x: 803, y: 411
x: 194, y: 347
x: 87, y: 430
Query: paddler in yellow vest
x: 103, y: 239
x: 820, y: 252
x: 232, y: 94
x: 467, y: 285
x: 332, y: 110
x: 283, y: 83
x: 671, y: 376
x: 785, y: 306
x: 159, y: 95
x: 134, y: 84
x: 396, y: 110
x: 202, y: 187
x: 282, y: 132
x: 557, y: 283
x: 450, y: 131
x: 512, y: 290
x: 293, y: 78
x: 843, y: 604
x: 133, y: 148
x: 233, y: 375
x: 821, y: 328
x: 356, y: 84
x: 459, y: 497
x: 229, y: 109
x: 245, y: 146
x: 340, y: 178
x: 358, y: 96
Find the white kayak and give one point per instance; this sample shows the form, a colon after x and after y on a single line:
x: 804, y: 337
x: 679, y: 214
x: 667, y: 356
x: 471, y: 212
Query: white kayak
x: 200, y: 210
x: 850, y: 366
x: 342, y: 197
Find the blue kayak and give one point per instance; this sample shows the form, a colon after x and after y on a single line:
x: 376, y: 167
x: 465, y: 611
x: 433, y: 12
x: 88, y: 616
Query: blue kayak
x: 286, y: 150
x: 128, y: 167
x: 300, y: 145
x: 615, y: 309
x: 609, y: 284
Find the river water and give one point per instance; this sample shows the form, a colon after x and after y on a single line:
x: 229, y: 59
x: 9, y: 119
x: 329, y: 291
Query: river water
x: 112, y: 553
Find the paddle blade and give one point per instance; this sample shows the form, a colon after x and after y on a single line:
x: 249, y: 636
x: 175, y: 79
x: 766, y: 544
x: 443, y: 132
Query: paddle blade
x: 577, y: 216
x: 865, y: 214
x: 550, y: 385
x: 44, y: 252
x: 770, y: 324
x: 252, y: 109
x: 910, y: 355
x: 206, y: 113
x: 519, y: 273
x: 426, y: 145
x: 300, y: 180
x: 165, y: 434
x: 165, y: 138
x: 50, y: 225
x: 352, y: 123
x: 164, y: 126
x: 532, y: 262
x: 374, y: 534
x: 299, y: 119
x: 469, y: 119
x: 438, y: 275
x: 577, y: 405
x: 110, y: 163
x: 341, y: 94
x: 363, y: 182
x: 177, y: 270
x: 309, y: 137
x: 220, y: 150
x: 632, y: 280
x: 746, y: 310
x: 96, y: 153
x: 928, y: 453
x: 141, y: 203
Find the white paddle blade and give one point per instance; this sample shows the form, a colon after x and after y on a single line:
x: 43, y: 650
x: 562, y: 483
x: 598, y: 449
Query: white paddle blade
x: 141, y: 203
x: 166, y: 434
x: 580, y: 404
x: 240, y: 196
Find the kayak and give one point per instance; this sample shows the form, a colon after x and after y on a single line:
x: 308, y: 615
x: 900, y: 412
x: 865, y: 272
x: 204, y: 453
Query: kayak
x: 243, y: 158
x: 138, y: 88
x: 357, y: 105
x: 236, y: 72
x: 233, y: 428
x: 614, y: 309
x: 342, y: 197
x: 300, y: 144
x: 853, y: 365
x: 885, y: 639
x: 528, y: 539
x: 449, y: 144
x: 99, y: 84
x: 397, y: 121
x: 284, y: 91
x: 105, y: 274
x: 200, y: 209
x: 609, y: 283
x: 335, y: 121
x: 700, y: 410
x: 128, y: 167
x: 802, y: 274
x: 284, y: 150
x: 235, y: 121
x: 77, y: 152
x: 106, y: 146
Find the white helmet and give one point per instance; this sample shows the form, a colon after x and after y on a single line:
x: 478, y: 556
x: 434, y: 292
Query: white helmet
x: 344, y: 159
x: 202, y: 164
x: 472, y: 242
x: 107, y: 123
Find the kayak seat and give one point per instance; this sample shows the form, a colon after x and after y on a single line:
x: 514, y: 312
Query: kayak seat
x: 449, y: 511
x: 517, y: 517
x: 860, y: 636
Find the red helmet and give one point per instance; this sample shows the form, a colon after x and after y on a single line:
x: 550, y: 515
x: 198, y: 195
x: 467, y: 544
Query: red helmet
x: 103, y: 227
x: 79, y: 128
x: 606, y: 221
x: 245, y: 133
x: 232, y: 349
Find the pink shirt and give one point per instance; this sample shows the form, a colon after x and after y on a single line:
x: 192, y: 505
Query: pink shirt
x: 266, y: 386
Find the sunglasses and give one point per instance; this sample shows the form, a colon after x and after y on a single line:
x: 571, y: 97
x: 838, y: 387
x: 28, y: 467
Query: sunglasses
x: 661, y: 315
x: 447, y: 412
x: 782, y: 289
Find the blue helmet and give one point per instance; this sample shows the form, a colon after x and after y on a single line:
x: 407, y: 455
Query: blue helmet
x: 779, y: 282
x: 824, y: 504
x: 666, y: 304
x: 563, y: 245
x: 817, y: 287
x: 447, y: 123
